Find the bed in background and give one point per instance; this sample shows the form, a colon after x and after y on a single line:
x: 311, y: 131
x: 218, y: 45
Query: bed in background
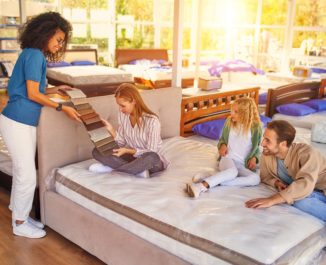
x: 155, y: 75
x: 293, y: 93
x: 86, y: 74
x: 144, y: 227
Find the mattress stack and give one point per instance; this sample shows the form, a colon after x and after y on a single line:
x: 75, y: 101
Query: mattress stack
x: 99, y: 135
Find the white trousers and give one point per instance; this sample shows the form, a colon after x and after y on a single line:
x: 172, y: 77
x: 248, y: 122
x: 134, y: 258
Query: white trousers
x: 232, y: 173
x: 20, y: 140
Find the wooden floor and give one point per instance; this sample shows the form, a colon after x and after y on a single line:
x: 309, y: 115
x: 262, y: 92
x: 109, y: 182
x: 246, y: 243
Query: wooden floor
x: 50, y: 250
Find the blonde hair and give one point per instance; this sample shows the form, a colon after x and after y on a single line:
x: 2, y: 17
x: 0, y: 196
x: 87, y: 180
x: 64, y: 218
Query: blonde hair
x: 248, y: 114
x: 130, y: 93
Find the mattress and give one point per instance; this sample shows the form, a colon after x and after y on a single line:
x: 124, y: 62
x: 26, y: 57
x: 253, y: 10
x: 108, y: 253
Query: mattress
x: 306, y: 121
x: 161, y: 73
x: 88, y: 75
x: 215, y: 229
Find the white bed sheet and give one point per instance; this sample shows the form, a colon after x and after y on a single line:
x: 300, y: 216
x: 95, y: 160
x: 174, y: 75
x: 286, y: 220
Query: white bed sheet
x: 157, y: 74
x: 306, y: 121
x: 218, y: 215
x: 89, y: 74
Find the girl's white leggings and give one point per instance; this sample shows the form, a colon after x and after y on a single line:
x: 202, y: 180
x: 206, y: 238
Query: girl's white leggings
x: 232, y: 173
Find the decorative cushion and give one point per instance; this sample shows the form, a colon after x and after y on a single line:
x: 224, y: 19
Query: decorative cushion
x: 85, y: 62
x: 265, y: 120
x: 295, y: 109
x: 317, y: 104
x: 147, y: 62
x: 318, y: 132
x: 262, y: 98
x: 58, y: 64
x: 210, y: 129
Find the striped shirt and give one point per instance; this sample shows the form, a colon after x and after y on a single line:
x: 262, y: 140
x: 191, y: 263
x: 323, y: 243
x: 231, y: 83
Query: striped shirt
x: 146, y: 138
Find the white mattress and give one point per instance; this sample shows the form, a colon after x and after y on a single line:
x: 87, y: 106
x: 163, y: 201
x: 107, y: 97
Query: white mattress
x: 219, y: 216
x: 89, y: 74
x: 306, y: 121
x: 157, y: 74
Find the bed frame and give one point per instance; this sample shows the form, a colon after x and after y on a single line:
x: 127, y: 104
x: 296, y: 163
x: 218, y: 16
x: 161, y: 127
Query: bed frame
x: 293, y: 93
x: 197, y: 109
x: 124, y: 56
x: 91, y: 90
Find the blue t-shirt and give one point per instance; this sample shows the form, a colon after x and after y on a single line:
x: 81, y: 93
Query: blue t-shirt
x: 31, y: 65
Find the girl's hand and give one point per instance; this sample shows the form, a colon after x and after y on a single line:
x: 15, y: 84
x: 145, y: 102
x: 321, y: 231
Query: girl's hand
x: 71, y: 113
x: 108, y: 125
x: 223, y: 150
x: 279, y: 185
x: 120, y: 151
x: 252, y: 162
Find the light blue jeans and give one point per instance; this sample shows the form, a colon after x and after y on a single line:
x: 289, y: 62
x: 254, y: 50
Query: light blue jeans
x: 314, y: 204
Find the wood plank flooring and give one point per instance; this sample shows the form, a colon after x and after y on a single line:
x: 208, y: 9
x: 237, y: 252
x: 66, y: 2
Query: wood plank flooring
x: 50, y: 250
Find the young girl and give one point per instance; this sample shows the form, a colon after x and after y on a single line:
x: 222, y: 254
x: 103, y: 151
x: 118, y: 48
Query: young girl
x: 138, y: 137
x: 238, y: 148
x: 42, y: 37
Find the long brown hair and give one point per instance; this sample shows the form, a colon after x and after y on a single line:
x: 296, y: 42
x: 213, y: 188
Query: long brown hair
x: 248, y: 114
x: 130, y: 93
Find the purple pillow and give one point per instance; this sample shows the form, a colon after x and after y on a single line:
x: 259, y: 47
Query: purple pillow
x: 83, y: 63
x: 262, y: 98
x: 58, y: 64
x: 210, y: 129
x: 317, y: 104
x: 295, y: 109
x: 265, y: 120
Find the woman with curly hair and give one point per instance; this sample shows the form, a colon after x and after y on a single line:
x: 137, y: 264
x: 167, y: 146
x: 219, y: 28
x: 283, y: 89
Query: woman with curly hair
x: 42, y: 38
x: 238, y: 149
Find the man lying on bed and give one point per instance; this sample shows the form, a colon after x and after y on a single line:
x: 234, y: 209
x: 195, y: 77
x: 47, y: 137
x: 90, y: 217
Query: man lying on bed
x: 296, y: 170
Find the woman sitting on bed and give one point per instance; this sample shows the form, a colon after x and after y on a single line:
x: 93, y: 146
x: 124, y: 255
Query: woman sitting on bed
x: 138, y: 138
x: 238, y: 148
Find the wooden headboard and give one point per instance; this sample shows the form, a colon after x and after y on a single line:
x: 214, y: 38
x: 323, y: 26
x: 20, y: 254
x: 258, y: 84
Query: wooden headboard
x: 293, y: 93
x: 199, y: 109
x: 124, y: 56
x: 81, y: 55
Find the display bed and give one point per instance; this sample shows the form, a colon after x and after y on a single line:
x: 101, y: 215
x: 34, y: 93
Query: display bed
x: 153, y: 221
x: 153, y: 75
x: 93, y: 80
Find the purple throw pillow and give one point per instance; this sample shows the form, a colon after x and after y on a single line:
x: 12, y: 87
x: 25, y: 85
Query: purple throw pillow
x: 317, y: 104
x: 295, y: 109
x: 85, y: 62
x: 210, y: 129
x: 58, y: 64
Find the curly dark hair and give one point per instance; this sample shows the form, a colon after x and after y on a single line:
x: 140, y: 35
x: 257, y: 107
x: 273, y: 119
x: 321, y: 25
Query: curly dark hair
x: 38, y: 30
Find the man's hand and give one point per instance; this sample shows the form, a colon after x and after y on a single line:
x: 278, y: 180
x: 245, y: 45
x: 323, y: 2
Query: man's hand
x: 265, y: 202
x: 279, y: 185
x: 252, y: 163
x: 223, y: 150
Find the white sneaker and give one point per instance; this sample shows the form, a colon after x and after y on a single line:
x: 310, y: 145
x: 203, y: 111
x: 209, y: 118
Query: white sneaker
x: 32, y: 222
x: 99, y: 168
x: 35, y: 223
x: 199, y: 177
x: 28, y: 230
x: 194, y: 189
x: 144, y: 174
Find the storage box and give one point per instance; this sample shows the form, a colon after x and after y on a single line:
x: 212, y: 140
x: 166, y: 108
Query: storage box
x: 301, y: 71
x: 209, y: 83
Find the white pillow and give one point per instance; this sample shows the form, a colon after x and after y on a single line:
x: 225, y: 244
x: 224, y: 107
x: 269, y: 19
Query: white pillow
x: 318, y: 132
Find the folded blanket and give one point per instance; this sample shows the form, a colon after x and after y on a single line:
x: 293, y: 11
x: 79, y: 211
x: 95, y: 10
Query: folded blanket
x: 318, y: 132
